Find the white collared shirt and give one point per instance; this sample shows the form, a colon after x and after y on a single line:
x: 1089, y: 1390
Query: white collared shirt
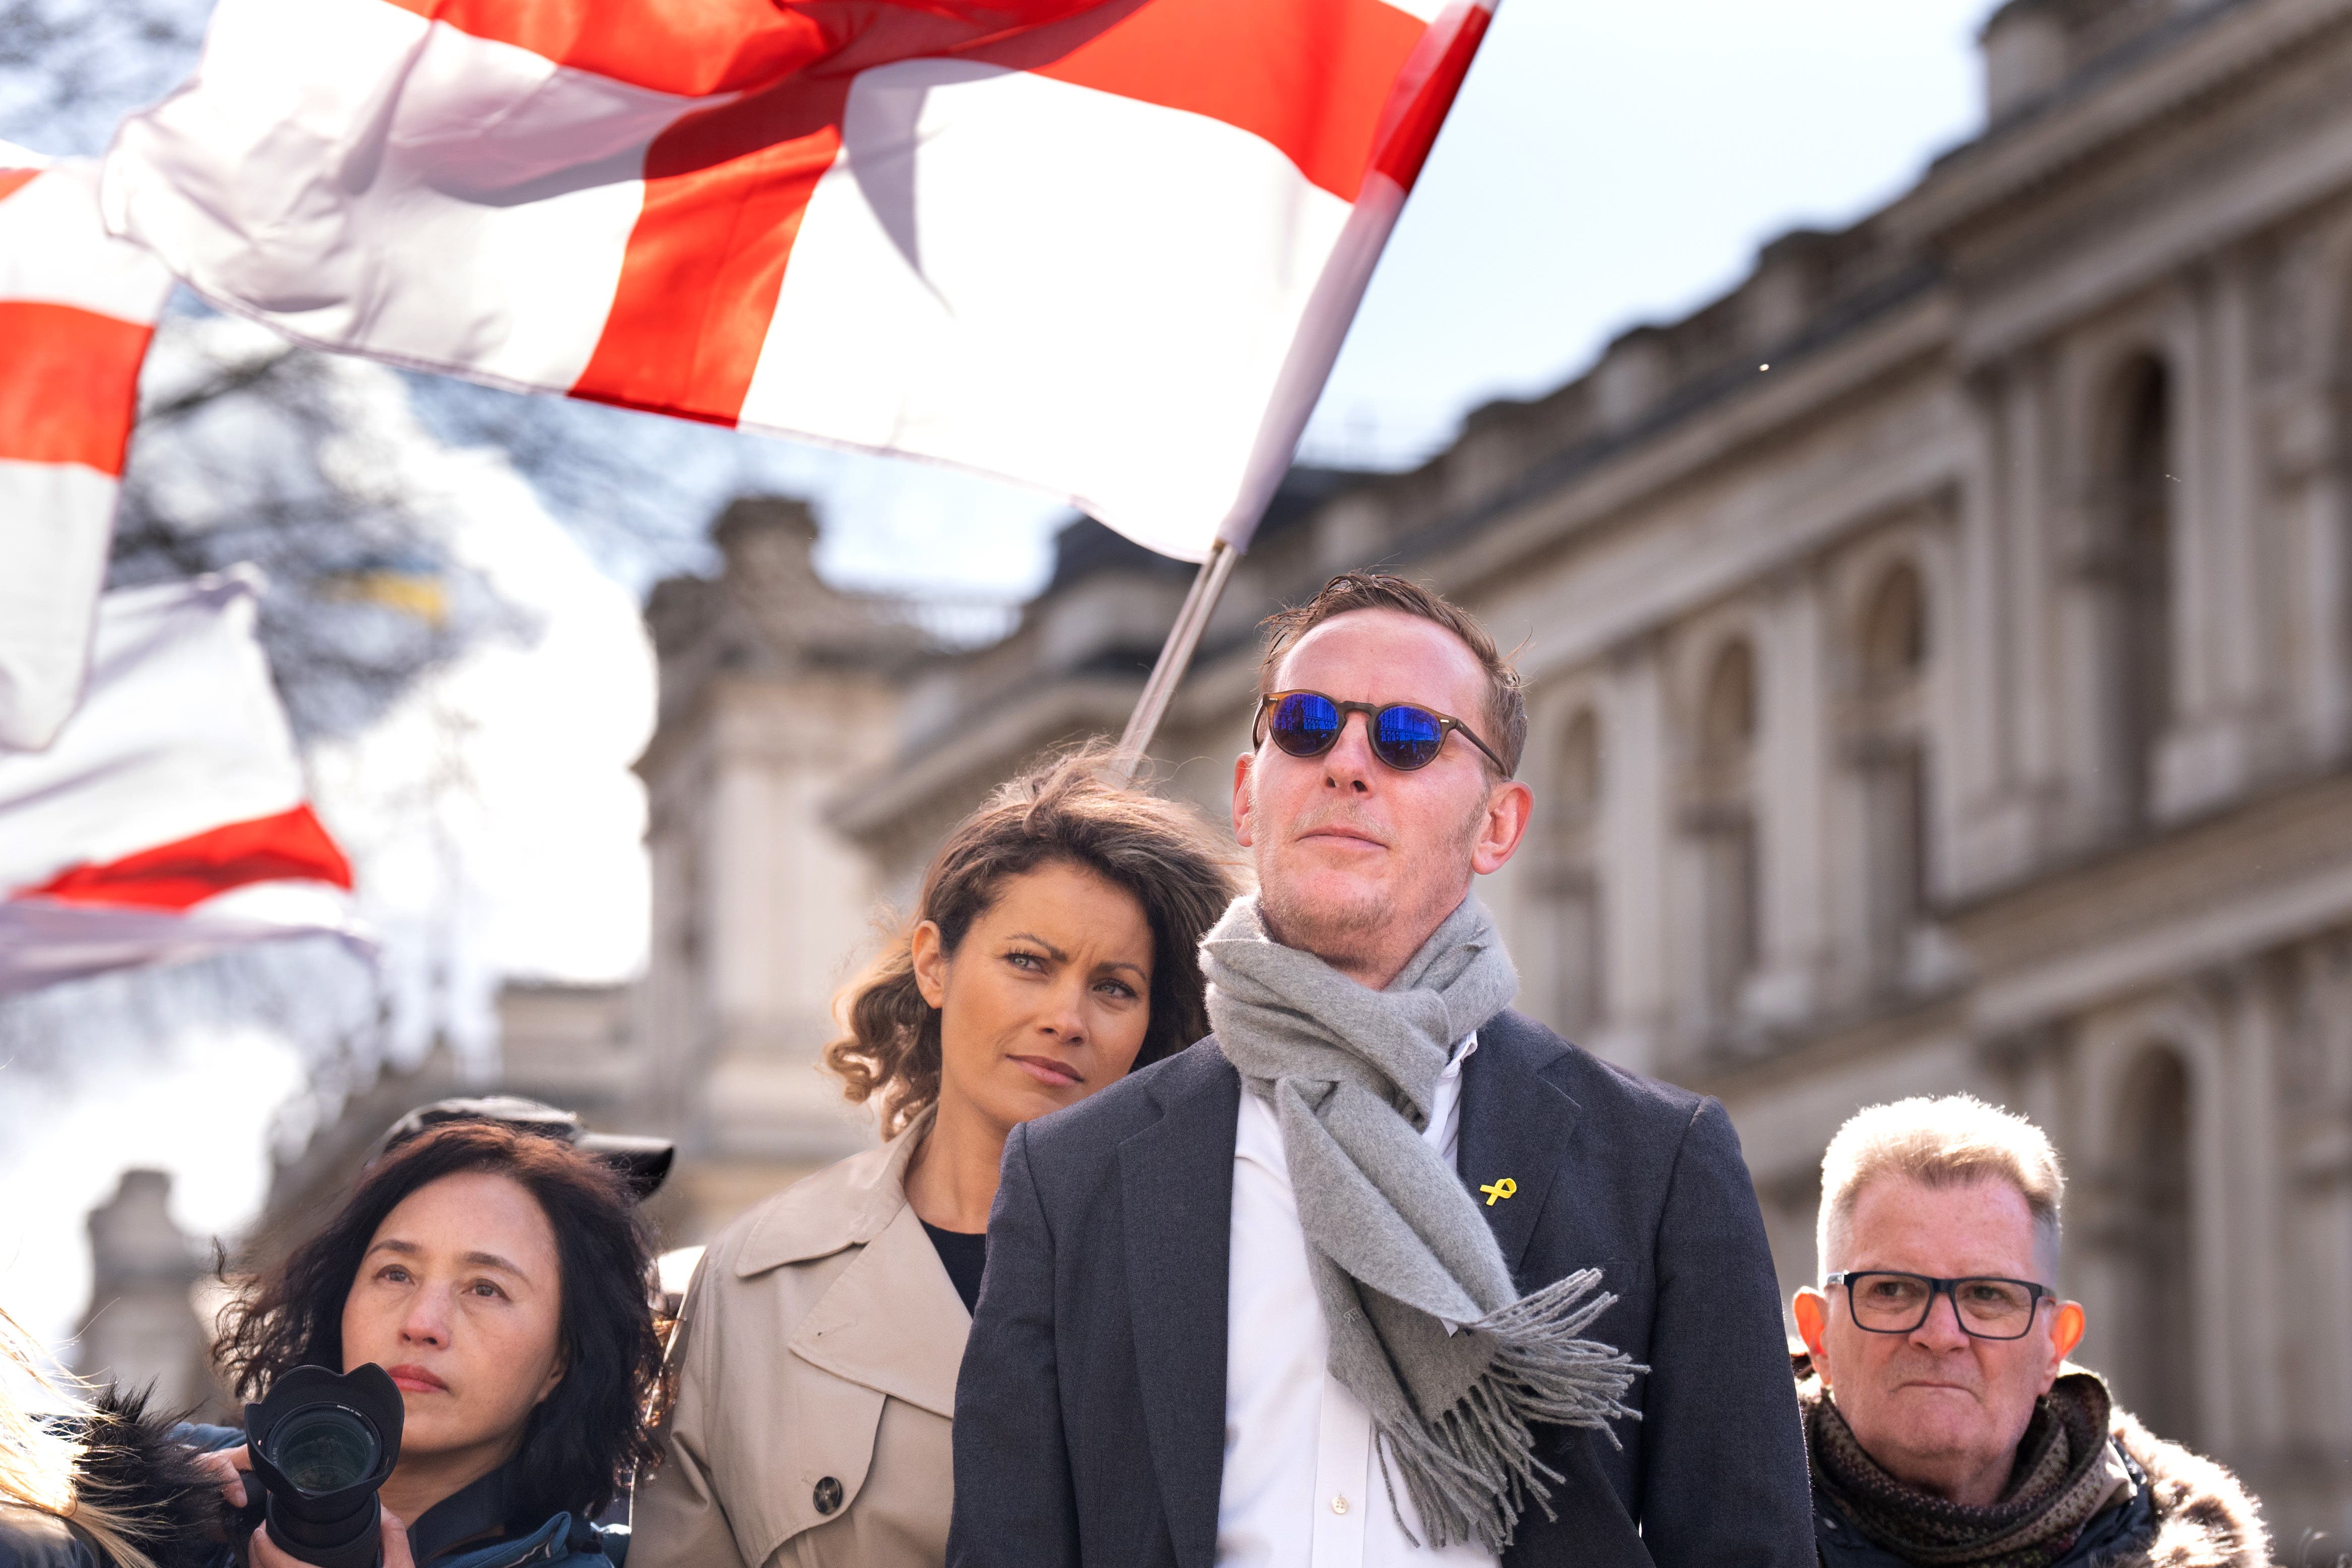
x: 1302, y: 1485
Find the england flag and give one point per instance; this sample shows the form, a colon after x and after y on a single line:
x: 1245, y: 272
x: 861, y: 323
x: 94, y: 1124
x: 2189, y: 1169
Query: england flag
x: 1105, y: 248
x: 168, y: 820
x: 77, y: 310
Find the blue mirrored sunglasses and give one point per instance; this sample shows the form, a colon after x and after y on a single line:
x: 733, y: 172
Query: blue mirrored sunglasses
x: 1404, y: 735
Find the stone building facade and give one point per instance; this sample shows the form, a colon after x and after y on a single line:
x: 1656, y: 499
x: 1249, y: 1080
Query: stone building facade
x: 1939, y: 652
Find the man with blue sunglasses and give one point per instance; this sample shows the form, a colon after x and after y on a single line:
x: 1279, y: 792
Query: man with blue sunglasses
x: 1381, y: 1272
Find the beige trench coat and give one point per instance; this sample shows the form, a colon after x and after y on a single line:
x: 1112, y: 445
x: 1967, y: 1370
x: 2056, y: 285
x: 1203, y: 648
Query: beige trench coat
x: 816, y: 1370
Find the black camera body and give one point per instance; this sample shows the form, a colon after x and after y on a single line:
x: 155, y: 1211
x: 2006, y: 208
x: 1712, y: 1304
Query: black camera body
x: 323, y: 1442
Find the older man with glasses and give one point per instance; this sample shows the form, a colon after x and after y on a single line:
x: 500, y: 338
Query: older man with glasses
x: 1945, y: 1425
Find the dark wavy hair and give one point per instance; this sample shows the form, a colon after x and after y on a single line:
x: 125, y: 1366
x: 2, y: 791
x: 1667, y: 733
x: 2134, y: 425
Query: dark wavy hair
x: 587, y: 1435
x: 1064, y: 812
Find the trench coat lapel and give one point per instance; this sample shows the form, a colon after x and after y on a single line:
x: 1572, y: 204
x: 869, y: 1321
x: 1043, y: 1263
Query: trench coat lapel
x: 1515, y: 1125
x: 1176, y: 1190
x: 892, y: 1321
x: 847, y: 1203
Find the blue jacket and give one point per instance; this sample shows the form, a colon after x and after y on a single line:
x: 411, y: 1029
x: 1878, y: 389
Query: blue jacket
x: 564, y: 1541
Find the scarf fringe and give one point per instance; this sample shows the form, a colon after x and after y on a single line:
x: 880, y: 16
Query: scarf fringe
x: 1542, y: 1372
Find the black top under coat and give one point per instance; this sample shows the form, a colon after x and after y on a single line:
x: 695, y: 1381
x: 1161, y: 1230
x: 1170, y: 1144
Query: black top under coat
x: 963, y: 1254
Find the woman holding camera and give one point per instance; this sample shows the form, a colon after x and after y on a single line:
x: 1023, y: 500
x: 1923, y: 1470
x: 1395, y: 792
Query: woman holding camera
x: 1052, y: 950
x: 500, y: 1277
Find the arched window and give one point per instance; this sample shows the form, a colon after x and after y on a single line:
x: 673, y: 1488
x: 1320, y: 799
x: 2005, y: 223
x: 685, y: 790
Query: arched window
x: 1725, y: 822
x: 2137, y: 560
x: 1576, y: 875
x: 1894, y: 632
x: 1575, y: 794
x: 1727, y: 715
x: 2155, y: 1364
x: 1889, y: 750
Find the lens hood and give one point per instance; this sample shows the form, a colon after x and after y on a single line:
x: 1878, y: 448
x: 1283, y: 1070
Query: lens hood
x: 323, y: 1442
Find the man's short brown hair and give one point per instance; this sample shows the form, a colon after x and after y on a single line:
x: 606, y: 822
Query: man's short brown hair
x: 1505, y: 726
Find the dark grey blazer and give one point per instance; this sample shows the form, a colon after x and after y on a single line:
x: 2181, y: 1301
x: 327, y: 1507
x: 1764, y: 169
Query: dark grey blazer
x: 1090, y: 1412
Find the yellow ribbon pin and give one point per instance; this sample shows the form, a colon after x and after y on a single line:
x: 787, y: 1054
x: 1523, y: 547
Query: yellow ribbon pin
x: 1501, y: 1189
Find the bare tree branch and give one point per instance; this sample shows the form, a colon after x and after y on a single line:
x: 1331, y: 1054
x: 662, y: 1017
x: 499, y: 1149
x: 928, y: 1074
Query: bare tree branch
x: 252, y: 450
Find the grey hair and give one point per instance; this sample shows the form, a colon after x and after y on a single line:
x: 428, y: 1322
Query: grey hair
x: 1950, y: 1140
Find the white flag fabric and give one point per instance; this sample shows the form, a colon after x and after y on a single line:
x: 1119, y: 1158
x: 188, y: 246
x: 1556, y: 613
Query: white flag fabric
x: 168, y: 820
x: 77, y: 310
x: 1105, y: 248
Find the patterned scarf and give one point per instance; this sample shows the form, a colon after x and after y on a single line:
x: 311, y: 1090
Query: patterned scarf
x: 2061, y: 1481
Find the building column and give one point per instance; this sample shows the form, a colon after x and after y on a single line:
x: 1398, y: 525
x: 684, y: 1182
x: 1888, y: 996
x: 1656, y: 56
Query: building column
x: 2030, y: 693
x: 2218, y: 625
x: 2002, y: 677
x: 1971, y: 643
x: 2259, y: 1241
x: 2314, y: 1168
x: 2305, y: 461
x: 1986, y: 630
x: 2086, y: 763
x: 2324, y: 581
x: 1793, y: 785
x: 1634, y: 795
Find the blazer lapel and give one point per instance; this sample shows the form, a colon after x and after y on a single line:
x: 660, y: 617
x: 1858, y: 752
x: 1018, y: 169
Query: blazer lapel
x: 1515, y: 1125
x: 1176, y: 1188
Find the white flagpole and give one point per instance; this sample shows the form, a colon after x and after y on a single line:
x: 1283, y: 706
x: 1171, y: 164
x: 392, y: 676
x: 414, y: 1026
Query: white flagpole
x: 1175, y: 657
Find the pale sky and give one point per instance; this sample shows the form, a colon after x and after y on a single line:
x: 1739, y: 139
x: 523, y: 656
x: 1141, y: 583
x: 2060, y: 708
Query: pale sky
x: 1606, y: 165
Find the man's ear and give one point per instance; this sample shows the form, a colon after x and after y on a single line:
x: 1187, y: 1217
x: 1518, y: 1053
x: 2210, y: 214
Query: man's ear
x: 2066, y: 1326
x: 930, y: 962
x: 1811, y: 1311
x: 1508, y: 809
x: 1242, y: 799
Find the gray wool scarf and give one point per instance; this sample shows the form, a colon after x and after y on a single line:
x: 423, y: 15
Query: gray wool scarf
x: 1399, y: 1252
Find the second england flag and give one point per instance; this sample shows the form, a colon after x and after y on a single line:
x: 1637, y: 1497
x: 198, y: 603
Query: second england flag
x: 1105, y: 248
x: 169, y: 821
x: 77, y: 310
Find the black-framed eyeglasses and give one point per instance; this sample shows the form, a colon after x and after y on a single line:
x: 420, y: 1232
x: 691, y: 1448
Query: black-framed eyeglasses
x: 1404, y: 735
x: 1988, y: 1306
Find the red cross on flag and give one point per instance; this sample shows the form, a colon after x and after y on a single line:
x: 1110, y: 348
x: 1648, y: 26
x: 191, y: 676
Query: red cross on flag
x: 168, y: 820
x: 77, y: 309
x: 1106, y: 248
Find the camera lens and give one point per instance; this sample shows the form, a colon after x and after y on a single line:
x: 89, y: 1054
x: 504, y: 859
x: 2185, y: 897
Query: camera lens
x: 324, y: 1449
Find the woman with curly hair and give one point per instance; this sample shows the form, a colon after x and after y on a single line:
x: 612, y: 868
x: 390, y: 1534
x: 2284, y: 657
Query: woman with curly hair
x: 1052, y: 950
x: 500, y: 1277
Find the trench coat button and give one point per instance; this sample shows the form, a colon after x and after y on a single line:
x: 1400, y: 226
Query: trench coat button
x: 828, y: 1495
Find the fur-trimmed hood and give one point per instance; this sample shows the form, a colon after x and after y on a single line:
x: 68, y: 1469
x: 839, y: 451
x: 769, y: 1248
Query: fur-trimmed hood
x: 2184, y: 1512
x: 2205, y: 1518
x: 134, y: 1462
